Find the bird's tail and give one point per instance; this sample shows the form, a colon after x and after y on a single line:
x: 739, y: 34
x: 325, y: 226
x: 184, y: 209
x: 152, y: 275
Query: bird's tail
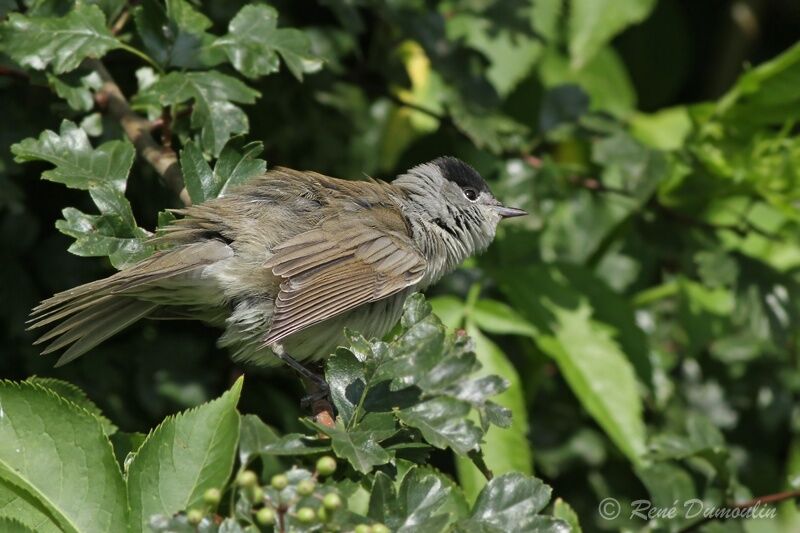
x: 83, y: 317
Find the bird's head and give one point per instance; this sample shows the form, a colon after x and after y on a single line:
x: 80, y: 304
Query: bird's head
x: 452, y: 195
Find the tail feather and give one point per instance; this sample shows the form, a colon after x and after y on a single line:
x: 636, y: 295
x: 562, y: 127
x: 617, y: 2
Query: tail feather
x: 104, y: 328
x: 85, y: 316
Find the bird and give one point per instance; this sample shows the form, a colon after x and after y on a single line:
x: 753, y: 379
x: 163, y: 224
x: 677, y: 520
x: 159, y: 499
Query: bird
x: 284, y: 262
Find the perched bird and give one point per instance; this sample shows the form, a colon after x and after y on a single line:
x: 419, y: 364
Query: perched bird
x: 286, y: 261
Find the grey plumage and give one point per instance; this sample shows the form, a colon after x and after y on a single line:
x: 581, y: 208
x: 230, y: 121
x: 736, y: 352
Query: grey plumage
x: 290, y: 258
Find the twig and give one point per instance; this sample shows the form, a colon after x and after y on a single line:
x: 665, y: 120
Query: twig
x: 769, y: 498
x: 120, y: 22
x: 163, y: 159
x: 166, y: 127
x: 321, y: 408
x: 13, y: 73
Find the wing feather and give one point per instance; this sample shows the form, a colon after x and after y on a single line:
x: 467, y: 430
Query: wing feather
x: 340, y: 265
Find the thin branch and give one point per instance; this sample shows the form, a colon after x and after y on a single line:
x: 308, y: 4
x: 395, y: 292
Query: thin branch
x: 121, y: 22
x: 163, y: 159
x: 13, y: 73
x: 761, y: 500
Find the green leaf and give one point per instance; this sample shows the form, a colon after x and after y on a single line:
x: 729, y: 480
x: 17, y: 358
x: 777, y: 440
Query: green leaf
x: 182, y: 458
x: 78, y: 165
x: 505, y: 449
x: 599, y: 374
x: 213, y: 111
x: 426, y: 501
x: 76, y: 88
x: 70, y: 392
x: 296, y: 444
x: 766, y: 94
x: 449, y: 309
x: 62, y: 42
x: 593, y: 23
x: 594, y: 340
x: 57, y: 454
x: 603, y: 78
x: 563, y: 511
x: 236, y: 164
x: 174, y: 34
x: 511, y: 53
x: 9, y: 525
x: 443, y: 423
x: 499, y: 318
x: 254, y: 436
x: 360, y: 448
x: 98, y: 236
x: 512, y: 502
x: 254, y: 41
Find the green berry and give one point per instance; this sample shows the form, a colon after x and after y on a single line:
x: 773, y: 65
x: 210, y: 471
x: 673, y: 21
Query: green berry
x: 306, y: 515
x: 362, y: 528
x: 248, y: 478
x: 380, y: 528
x: 194, y: 516
x: 212, y: 497
x: 265, y: 516
x: 331, y: 501
x: 279, y: 481
x: 326, y: 465
x: 306, y: 487
x: 323, y: 515
x: 256, y: 494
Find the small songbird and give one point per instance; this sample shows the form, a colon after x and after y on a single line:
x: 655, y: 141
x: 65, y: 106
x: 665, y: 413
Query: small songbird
x: 285, y: 262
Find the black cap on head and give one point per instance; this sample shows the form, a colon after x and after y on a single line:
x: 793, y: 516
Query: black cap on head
x: 460, y: 173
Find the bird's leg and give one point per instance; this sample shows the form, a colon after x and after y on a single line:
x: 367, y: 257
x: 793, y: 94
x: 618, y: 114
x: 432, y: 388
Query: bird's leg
x: 316, y: 386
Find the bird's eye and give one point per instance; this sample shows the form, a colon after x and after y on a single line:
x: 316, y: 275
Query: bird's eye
x: 471, y: 194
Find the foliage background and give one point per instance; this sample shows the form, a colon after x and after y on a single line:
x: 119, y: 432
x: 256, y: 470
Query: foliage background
x: 645, y: 314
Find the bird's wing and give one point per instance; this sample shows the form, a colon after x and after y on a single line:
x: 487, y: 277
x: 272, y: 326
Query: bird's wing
x: 341, y: 264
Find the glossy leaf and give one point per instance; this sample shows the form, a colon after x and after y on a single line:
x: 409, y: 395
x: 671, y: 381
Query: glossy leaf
x: 182, y: 458
x: 60, y: 42
x: 254, y: 41
x: 213, y: 94
x: 57, y: 468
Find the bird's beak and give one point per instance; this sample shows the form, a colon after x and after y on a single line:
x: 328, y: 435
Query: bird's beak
x: 509, y: 212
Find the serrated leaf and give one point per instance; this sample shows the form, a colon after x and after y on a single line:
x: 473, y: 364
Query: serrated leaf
x: 236, y: 164
x: 8, y: 525
x: 76, y: 88
x: 98, y: 236
x: 443, y: 423
x: 78, y: 165
x: 427, y: 502
x: 182, y: 458
x: 57, y: 453
x: 72, y: 393
x: 254, y: 41
x: 62, y: 42
x: 506, y: 448
x: 213, y: 111
x: 600, y: 375
x: 512, y: 502
x: 360, y: 448
x: 174, y: 34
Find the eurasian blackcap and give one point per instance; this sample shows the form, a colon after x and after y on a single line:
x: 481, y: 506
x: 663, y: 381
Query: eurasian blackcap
x: 287, y: 261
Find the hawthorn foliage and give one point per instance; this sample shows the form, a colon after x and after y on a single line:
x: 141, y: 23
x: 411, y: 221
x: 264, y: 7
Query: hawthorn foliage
x: 633, y: 338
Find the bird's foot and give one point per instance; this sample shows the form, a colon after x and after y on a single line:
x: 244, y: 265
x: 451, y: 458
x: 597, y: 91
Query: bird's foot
x: 319, y: 400
x: 319, y: 393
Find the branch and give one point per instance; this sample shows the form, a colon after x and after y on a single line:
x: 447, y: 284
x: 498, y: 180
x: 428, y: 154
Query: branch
x: 761, y: 500
x: 163, y: 159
